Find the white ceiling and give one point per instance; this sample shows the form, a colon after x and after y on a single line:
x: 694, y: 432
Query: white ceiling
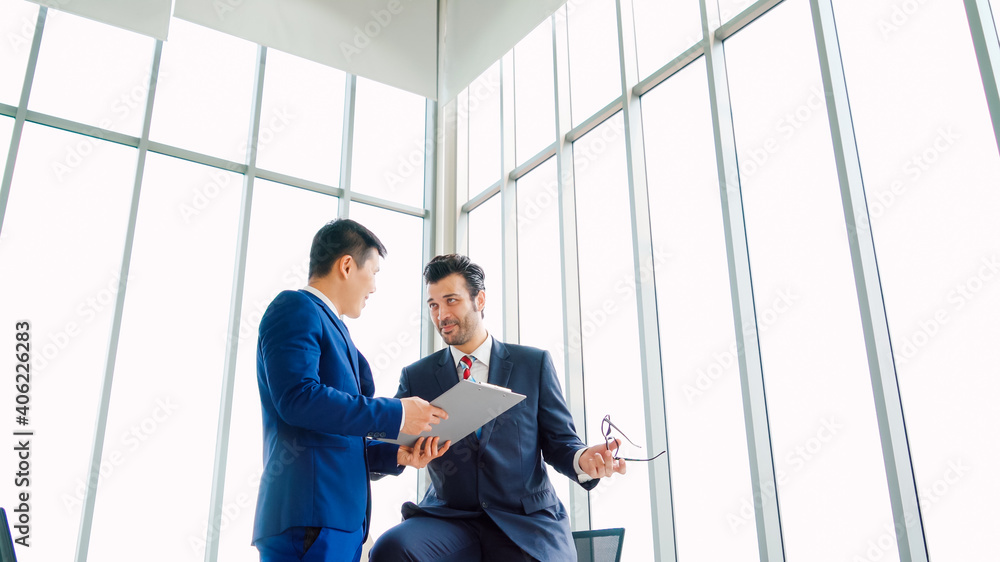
x: 408, y: 44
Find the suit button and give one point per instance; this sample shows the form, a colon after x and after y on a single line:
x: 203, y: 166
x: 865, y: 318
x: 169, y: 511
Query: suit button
x: 482, y: 465
x: 485, y: 505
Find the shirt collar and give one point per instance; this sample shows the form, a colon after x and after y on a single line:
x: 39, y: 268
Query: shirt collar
x: 482, y: 353
x: 322, y: 297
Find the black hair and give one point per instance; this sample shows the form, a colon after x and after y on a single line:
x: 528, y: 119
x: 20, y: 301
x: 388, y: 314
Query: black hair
x: 443, y: 266
x: 338, y: 238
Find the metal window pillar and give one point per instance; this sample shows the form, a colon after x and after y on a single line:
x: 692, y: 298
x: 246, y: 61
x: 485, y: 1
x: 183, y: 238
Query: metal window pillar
x: 569, y: 257
x: 984, y: 38
x: 432, y: 232
x: 101, y: 425
x: 431, y: 228
x: 235, y: 317
x: 459, y: 188
x: 508, y: 201
x: 888, y: 405
x: 22, y: 112
x: 654, y: 402
x: 763, y: 481
x: 347, y: 146
x: 445, y: 205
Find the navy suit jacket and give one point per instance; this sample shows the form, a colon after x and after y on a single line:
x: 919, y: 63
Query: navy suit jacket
x: 317, y: 408
x: 501, y: 473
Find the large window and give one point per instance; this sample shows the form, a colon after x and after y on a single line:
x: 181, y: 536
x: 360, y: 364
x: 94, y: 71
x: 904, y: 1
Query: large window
x: 203, y: 92
x: 593, y: 56
x: 931, y: 171
x: 485, y: 249
x: 745, y: 129
x: 481, y: 121
x: 389, y: 143
x: 539, y: 283
x: 18, y: 29
x: 820, y: 403
x: 609, y: 333
x: 6, y: 129
x: 168, y: 373
x: 60, y: 252
x: 663, y: 30
x: 689, y: 221
x: 534, y: 96
x: 112, y: 62
x: 701, y: 374
x: 301, y: 119
x: 66, y: 227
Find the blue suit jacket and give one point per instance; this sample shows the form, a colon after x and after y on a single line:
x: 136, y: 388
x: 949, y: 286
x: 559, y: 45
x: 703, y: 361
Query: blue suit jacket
x: 501, y: 473
x: 315, y: 396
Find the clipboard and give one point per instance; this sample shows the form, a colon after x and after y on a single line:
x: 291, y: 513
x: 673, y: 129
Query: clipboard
x: 470, y: 405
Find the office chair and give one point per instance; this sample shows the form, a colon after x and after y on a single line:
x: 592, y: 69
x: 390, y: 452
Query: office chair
x: 599, y: 545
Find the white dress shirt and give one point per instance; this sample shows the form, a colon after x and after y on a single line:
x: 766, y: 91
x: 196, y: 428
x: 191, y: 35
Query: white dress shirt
x: 480, y: 371
x: 322, y: 297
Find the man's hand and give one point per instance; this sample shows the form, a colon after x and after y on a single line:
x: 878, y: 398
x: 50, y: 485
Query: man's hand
x: 422, y: 452
x: 420, y: 415
x: 599, y: 462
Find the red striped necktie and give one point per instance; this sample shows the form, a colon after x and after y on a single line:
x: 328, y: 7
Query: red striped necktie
x: 467, y: 360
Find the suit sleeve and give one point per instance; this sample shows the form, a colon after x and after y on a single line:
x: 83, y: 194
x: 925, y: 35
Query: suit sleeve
x: 382, y: 460
x: 290, y: 349
x: 557, y: 433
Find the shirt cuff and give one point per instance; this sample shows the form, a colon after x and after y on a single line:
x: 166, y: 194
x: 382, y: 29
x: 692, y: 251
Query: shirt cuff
x: 581, y: 476
x: 402, y: 418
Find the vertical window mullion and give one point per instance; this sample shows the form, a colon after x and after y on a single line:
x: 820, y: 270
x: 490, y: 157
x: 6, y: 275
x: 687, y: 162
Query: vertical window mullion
x: 661, y: 501
x: 759, y: 446
x: 90, y: 494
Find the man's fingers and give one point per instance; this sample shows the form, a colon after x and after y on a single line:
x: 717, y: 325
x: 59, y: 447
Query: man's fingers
x: 596, y: 466
x: 436, y: 414
x: 609, y: 463
x: 599, y: 461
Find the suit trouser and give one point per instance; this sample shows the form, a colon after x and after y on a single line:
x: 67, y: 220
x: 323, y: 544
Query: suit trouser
x: 304, y: 544
x: 425, y: 539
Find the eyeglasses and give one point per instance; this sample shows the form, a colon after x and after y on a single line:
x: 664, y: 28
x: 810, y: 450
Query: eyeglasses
x: 606, y: 427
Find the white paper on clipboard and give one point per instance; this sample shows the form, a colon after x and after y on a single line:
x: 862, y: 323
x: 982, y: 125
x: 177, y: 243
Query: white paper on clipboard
x: 470, y: 405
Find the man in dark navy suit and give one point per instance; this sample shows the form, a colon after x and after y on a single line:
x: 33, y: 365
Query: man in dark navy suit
x: 316, y: 392
x: 490, y: 497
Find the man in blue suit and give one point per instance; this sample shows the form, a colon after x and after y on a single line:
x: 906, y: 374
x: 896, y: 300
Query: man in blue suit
x: 490, y: 497
x: 316, y: 390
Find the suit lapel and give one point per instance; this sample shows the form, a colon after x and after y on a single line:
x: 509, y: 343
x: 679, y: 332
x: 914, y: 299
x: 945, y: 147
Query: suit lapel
x: 500, y: 368
x: 446, y: 374
x: 352, y: 352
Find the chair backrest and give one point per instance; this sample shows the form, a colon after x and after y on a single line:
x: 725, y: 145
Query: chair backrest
x: 599, y: 545
x: 6, y: 541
